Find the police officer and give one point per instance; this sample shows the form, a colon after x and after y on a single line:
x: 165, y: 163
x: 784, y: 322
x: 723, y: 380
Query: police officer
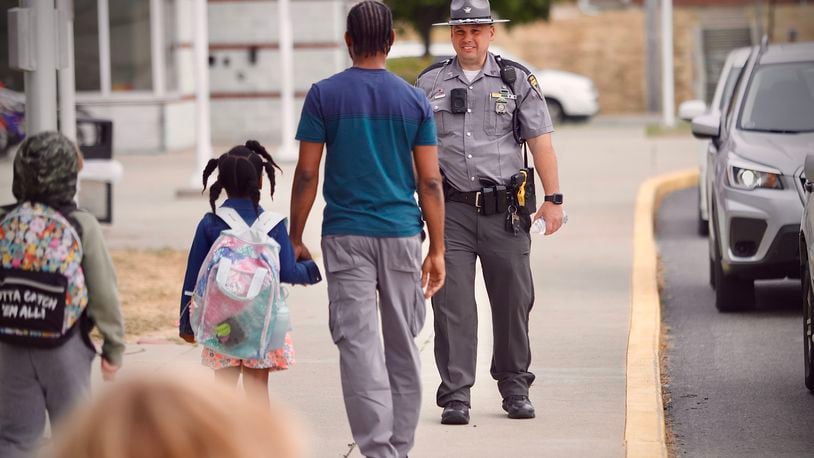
x: 485, y: 108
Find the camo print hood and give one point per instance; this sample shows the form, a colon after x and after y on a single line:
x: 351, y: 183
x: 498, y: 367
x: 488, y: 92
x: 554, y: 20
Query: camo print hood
x: 45, y: 170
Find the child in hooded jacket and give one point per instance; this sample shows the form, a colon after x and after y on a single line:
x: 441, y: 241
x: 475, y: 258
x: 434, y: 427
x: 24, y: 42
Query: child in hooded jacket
x: 35, y: 380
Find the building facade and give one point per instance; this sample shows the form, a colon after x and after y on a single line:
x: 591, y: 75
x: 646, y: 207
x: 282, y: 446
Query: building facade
x: 134, y: 65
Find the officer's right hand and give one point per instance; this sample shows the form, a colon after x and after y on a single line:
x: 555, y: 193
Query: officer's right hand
x: 433, y: 274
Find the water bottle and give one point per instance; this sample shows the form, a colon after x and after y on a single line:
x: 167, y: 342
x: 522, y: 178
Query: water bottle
x: 538, y: 226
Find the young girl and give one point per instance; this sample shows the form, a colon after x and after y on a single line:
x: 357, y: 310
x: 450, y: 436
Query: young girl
x: 240, y: 173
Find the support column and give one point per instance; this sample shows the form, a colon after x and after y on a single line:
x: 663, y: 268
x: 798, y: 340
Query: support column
x: 65, y: 74
x: 667, y: 63
x: 287, y: 146
x: 41, y: 82
x: 202, y: 120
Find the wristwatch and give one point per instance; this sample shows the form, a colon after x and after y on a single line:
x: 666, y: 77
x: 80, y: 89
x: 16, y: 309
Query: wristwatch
x: 555, y: 199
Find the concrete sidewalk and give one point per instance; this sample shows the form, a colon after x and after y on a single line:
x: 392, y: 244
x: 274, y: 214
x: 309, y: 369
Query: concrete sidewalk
x: 579, y: 326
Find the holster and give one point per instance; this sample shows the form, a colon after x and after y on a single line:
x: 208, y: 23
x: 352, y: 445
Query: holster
x: 523, y: 192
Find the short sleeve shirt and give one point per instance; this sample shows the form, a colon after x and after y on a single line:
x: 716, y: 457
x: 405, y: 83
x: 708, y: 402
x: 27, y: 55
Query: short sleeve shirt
x: 370, y: 121
x: 479, y: 143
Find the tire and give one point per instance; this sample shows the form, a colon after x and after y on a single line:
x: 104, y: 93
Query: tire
x: 711, y: 273
x: 555, y: 111
x: 732, y: 294
x: 808, y: 327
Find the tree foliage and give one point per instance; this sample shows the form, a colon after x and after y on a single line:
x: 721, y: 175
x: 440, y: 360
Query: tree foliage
x: 421, y: 14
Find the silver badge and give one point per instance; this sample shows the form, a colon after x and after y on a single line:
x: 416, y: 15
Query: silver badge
x: 467, y: 10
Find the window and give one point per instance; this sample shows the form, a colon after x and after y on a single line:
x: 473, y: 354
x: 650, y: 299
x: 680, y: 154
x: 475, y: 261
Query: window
x: 130, y: 52
x: 780, y: 99
x: 86, y: 45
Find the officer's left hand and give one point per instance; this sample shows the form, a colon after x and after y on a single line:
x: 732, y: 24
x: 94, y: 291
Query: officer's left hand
x: 552, y: 215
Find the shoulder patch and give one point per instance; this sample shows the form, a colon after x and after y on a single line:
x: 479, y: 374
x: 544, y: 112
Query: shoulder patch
x: 535, y: 85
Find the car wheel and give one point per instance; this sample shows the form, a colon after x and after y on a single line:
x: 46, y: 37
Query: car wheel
x: 808, y: 332
x: 555, y: 111
x: 732, y: 293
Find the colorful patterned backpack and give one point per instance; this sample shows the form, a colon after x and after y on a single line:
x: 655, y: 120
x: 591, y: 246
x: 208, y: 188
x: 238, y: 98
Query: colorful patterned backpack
x: 238, y: 306
x: 42, y: 285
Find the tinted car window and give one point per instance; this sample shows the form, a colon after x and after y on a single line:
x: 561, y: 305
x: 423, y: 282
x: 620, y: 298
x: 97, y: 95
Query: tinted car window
x: 780, y: 99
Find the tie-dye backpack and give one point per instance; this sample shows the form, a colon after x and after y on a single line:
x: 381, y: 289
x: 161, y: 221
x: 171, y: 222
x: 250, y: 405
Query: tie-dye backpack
x: 238, y: 306
x: 42, y: 285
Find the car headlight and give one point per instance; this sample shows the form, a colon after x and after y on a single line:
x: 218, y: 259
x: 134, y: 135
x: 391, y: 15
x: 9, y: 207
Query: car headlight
x: 744, y: 175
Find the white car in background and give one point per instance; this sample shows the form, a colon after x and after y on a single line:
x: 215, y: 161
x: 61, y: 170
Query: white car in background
x: 730, y: 72
x: 568, y: 95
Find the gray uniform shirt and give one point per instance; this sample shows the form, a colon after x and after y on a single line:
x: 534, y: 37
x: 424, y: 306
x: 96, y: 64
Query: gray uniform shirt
x: 479, y: 143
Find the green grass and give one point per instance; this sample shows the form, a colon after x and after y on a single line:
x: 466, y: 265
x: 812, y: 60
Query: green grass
x: 655, y: 130
x: 409, y: 67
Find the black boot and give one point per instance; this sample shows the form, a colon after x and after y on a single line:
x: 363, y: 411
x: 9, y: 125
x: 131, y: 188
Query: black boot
x: 518, y: 406
x: 455, y: 413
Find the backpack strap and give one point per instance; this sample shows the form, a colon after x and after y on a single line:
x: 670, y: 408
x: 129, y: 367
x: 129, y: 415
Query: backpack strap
x: 267, y: 221
x: 232, y: 218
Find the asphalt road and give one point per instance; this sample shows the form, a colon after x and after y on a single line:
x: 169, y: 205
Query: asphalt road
x: 735, y: 380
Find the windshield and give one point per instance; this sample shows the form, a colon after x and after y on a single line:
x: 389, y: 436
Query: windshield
x: 780, y: 99
x: 729, y: 86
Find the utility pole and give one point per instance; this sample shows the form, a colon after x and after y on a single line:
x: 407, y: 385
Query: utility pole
x: 652, y: 67
x: 32, y: 49
x: 667, y: 78
x: 287, y: 146
x: 202, y: 123
x: 65, y: 74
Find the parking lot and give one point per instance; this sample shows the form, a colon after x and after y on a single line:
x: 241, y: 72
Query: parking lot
x: 734, y: 380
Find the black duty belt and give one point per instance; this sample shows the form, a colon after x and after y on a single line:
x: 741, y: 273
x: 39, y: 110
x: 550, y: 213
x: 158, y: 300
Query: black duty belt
x: 488, y: 201
x: 471, y: 198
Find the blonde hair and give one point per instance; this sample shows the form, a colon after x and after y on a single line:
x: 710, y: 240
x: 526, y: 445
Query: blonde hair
x: 168, y: 417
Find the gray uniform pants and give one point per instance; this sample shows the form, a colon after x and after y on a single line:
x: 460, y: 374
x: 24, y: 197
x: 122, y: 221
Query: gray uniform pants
x: 381, y: 384
x: 33, y: 380
x: 504, y: 260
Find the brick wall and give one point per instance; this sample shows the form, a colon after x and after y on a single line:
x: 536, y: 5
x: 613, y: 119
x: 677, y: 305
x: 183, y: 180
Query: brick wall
x: 610, y: 47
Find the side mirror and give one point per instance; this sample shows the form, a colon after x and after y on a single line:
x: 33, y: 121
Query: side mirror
x: 706, y: 126
x: 691, y: 108
x: 809, y: 171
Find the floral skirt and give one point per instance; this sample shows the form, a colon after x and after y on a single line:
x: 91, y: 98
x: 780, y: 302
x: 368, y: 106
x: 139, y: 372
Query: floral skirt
x: 278, y: 359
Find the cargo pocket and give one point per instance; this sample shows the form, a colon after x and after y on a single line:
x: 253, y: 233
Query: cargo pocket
x: 338, y: 258
x: 334, y: 312
x: 419, y: 312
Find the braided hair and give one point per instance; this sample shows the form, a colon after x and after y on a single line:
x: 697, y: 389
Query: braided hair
x: 240, y: 171
x: 370, y: 26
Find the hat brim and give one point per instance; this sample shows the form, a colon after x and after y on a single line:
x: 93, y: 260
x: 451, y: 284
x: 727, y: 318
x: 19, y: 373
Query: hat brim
x: 482, y: 21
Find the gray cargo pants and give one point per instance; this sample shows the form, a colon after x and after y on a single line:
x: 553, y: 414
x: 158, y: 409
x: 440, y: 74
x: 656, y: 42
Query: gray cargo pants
x: 33, y: 380
x: 504, y: 260
x: 381, y: 385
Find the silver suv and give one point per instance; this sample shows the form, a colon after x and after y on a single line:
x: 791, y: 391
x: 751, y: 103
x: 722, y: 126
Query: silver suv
x: 756, y: 193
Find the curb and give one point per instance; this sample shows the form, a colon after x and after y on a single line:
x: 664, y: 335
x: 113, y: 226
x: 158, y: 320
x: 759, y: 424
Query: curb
x: 644, y: 412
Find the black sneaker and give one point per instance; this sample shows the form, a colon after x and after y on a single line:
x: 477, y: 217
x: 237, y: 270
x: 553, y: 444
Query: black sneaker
x: 518, y: 407
x: 455, y: 413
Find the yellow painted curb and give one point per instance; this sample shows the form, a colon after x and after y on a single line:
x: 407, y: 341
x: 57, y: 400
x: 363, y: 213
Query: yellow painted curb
x: 644, y: 412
